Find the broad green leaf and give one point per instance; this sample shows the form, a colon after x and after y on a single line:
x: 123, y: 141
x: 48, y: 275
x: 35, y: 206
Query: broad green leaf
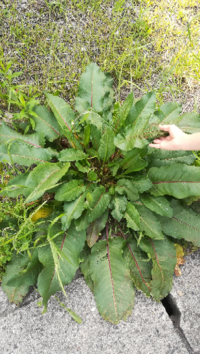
x: 163, y: 270
x: 62, y: 111
x: 140, y: 266
x: 92, y: 152
x: 81, y: 168
x: 178, y: 180
x: 152, y: 130
x: 141, y: 184
x: 160, y: 157
x: 133, y: 162
x: 132, y: 217
x: 17, y: 186
x: 113, y: 288
x: 95, y: 119
x: 133, y: 135
x: 149, y: 222
x: 81, y: 105
x: 171, y: 111
x: 124, y: 186
x: 93, y: 86
x: 44, y: 177
x: 95, y: 228
x: 129, y: 158
x: 24, y: 155
x: 7, y: 134
x: 70, y: 191
x: 107, y: 147
x: 86, y: 137
x: 82, y: 223
x: 118, y: 204
x: 29, y: 276
x: 85, y: 116
x: 160, y: 205
x: 95, y: 136
x: 185, y: 223
x: 142, y: 108
x: 71, y: 244
x: 98, y: 204
x: 158, y: 116
x: 89, y: 199
x: 72, y: 210
x: 111, y: 192
x: 92, y: 176
x: 14, y: 268
x: 45, y: 122
x: 123, y: 112
x: 114, y: 168
x: 190, y: 122
x: 108, y: 98
x: 71, y: 155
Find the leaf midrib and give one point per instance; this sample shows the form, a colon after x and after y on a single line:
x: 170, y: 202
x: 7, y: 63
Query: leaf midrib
x: 27, y: 142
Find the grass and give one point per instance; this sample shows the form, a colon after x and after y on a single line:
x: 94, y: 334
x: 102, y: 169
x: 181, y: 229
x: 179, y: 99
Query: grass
x: 54, y: 51
x: 47, y: 46
x: 175, y: 31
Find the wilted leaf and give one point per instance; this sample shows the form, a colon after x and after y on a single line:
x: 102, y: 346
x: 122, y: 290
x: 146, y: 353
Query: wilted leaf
x: 42, y: 213
x: 180, y: 259
x: 95, y: 228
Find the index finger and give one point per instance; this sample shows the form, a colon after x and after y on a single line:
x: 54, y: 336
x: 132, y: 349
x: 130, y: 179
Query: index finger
x: 166, y: 128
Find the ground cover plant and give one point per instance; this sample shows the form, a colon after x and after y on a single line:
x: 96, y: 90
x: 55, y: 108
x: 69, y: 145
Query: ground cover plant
x: 168, y: 21
x: 51, y: 43
x: 99, y: 197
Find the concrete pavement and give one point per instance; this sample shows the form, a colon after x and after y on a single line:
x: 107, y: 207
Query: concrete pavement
x: 149, y: 330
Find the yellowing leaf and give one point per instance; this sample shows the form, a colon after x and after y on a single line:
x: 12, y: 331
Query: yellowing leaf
x: 180, y: 259
x: 42, y: 213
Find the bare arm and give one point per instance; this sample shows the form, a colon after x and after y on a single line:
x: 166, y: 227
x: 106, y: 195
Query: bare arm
x: 176, y: 140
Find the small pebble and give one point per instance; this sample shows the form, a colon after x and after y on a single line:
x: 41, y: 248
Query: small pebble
x: 180, y: 293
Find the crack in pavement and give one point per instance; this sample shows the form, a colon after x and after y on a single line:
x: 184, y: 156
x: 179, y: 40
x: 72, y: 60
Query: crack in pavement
x: 175, y: 316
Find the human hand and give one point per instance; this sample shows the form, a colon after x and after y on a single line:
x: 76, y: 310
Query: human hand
x: 174, y: 141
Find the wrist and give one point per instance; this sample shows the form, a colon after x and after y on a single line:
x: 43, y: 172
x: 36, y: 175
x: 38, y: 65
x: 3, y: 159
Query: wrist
x: 185, y: 142
x: 191, y: 142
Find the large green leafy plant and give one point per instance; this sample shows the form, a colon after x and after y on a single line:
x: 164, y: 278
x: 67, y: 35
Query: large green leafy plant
x: 100, y: 173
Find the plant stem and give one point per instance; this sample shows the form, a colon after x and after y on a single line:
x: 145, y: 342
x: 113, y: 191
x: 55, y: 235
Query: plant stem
x: 107, y: 231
